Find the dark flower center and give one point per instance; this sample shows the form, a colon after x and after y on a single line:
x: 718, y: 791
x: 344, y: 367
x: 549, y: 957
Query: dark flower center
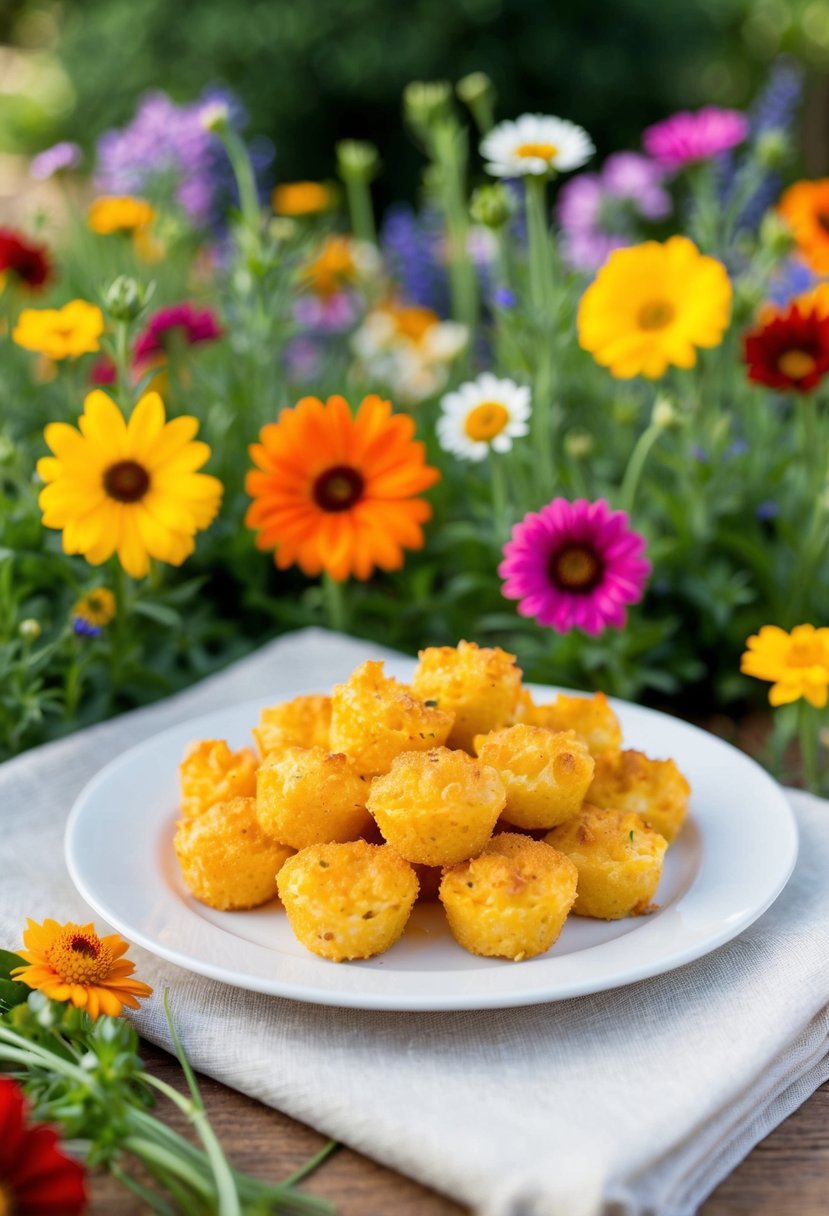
x: 796, y: 364
x: 576, y: 568
x: 822, y: 218
x: 656, y: 314
x: 84, y: 947
x: 338, y: 488
x: 126, y: 481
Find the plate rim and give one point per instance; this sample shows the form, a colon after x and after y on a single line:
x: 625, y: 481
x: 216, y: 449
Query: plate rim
x: 520, y: 994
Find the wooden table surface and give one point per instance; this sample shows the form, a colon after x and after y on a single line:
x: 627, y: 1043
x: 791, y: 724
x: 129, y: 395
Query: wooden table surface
x: 786, y: 1175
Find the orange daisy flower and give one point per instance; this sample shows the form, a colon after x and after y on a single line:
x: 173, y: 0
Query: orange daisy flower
x: 335, y: 491
x: 71, y: 963
x: 805, y: 208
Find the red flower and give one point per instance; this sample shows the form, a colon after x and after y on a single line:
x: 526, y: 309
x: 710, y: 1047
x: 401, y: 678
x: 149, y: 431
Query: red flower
x: 790, y: 350
x: 181, y: 321
x: 36, y: 1178
x: 28, y: 262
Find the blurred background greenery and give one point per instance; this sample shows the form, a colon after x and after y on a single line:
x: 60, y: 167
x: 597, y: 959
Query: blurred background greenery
x: 313, y: 71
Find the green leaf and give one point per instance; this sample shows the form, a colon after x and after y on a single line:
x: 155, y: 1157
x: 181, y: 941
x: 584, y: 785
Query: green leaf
x: 8, y: 962
x: 159, y: 613
x: 12, y: 994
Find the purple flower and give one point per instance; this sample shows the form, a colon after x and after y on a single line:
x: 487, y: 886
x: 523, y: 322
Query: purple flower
x: 84, y: 629
x: 638, y: 180
x: 411, y: 246
x: 504, y: 298
x: 575, y: 565
x: 166, y: 152
x: 790, y: 278
x: 331, y: 314
x: 56, y: 159
x: 598, y: 211
x: 692, y: 136
x: 767, y: 510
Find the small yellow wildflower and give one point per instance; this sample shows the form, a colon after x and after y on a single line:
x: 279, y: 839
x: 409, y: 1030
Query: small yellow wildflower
x: 119, y: 213
x: 796, y: 663
x: 72, y: 963
x: 60, y: 333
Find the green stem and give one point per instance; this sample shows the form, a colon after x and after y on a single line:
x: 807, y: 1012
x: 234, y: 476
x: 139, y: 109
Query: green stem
x: 122, y: 360
x: 498, y: 485
x: 636, y: 464
x: 245, y: 179
x: 808, y: 730
x: 334, y: 596
x: 542, y: 297
x: 450, y: 154
x: 360, y: 209
x: 311, y: 1164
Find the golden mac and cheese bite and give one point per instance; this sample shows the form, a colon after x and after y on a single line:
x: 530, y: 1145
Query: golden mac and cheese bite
x: 512, y: 900
x: 479, y: 685
x: 227, y: 861
x: 211, y: 773
x: 618, y: 858
x: 307, y: 795
x: 591, y: 718
x: 654, y: 789
x: 374, y: 718
x: 437, y: 807
x: 347, y: 901
x: 302, y: 722
x: 545, y: 775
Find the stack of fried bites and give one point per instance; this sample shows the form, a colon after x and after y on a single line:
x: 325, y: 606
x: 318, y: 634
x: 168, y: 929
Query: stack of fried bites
x: 456, y: 786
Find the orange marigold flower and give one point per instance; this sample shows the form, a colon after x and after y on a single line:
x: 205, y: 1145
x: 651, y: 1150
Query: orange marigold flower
x: 119, y: 213
x: 71, y: 963
x: 335, y: 491
x: 805, y: 208
x: 302, y: 198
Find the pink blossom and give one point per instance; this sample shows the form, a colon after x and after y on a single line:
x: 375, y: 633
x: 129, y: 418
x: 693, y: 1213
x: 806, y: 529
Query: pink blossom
x: 575, y: 565
x: 188, y: 322
x: 692, y: 136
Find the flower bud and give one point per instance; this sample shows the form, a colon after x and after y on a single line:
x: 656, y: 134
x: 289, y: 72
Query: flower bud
x: 474, y: 88
x: 773, y: 149
x: 776, y: 235
x: 215, y: 117
x: 426, y: 101
x: 357, y: 160
x: 125, y: 298
x: 30, y: 629
x: 578, y: 444
x: 491, y: 205
x: 664, y: 414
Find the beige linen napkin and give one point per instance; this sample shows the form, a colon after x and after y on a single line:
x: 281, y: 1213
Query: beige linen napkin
x: 628, y: 1103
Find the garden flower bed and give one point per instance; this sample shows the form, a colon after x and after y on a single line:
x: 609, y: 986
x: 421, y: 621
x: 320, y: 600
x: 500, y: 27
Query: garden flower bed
x: 569, y: 407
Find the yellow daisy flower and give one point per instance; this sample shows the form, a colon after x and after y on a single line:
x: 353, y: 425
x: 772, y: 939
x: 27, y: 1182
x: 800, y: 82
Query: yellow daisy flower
x: 652, y: 305
x: 796, y: 663
x: 130, y: 488
x: 60, y: 333
x: 72, y: 963
x: 96, y: 609
x: 302, y: 198
x: 119, y: 213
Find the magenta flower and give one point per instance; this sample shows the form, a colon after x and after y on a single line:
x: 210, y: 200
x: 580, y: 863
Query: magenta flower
x: 180, y: 322
x: 575, y: 565
x: 691, y: 136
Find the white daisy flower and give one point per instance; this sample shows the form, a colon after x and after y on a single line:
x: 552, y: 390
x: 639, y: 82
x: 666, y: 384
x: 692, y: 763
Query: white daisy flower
x: 409, y: 349
x: 483, y: 415
x: 535, y: 144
